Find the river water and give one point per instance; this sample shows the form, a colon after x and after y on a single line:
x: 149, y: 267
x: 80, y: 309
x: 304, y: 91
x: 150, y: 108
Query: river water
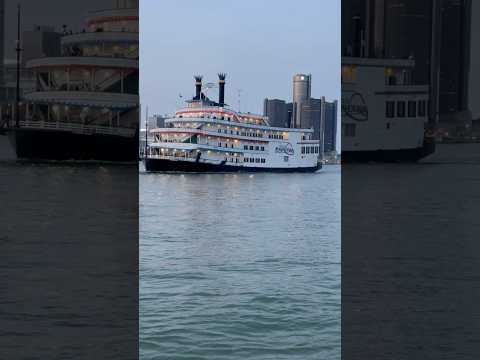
x: 237, y: 266
x: 69, y: 261
x: 410, y: 257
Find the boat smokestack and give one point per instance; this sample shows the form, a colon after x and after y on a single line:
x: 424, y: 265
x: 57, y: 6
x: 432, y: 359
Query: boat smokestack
x: 198, y: 87
x: 221, y: 87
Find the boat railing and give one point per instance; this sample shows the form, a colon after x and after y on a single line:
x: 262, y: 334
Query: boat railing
x: 187, y: 157
x: 78, y: 128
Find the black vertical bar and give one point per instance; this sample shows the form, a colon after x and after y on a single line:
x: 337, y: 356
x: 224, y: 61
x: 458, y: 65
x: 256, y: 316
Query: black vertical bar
x: 18, y: 50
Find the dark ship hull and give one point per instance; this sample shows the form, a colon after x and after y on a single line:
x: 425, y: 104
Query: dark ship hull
x: 56, y: 145
x: 164, y: 165
x: 390, y: 156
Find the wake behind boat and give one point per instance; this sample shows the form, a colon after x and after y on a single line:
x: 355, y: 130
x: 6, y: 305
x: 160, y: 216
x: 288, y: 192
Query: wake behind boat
x: 208, y: 136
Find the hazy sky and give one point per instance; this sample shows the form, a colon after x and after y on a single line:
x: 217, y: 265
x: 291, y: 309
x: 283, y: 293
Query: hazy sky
x: 260, y: 44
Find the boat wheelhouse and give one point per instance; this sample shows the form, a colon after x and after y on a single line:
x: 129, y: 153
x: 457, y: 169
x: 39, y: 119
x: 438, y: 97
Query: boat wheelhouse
x: 209, y: 136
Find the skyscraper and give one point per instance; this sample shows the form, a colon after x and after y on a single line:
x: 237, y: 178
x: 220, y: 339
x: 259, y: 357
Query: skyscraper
x: 321, y: 116
x: 40, y: 41
x: 277, y: 113
x: 455, y: 56
x: 330, y: 132
x: 302, y: 89
x: 2, y: 38
x: 312, y: 117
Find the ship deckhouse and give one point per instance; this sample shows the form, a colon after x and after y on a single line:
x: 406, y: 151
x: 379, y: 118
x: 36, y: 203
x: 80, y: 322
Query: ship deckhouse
x: 94, y: 83
x: 384, y: 112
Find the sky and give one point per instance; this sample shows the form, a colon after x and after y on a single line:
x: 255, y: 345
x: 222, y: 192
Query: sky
x: 260, y: 44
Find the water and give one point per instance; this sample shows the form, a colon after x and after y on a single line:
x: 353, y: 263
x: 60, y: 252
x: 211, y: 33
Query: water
x: 69, y: 261
x: 237, y: 266
x: 410, y: 258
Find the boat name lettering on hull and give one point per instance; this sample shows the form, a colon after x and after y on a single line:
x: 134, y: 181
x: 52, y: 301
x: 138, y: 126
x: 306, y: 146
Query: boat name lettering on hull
x: 355, y: 107
x: 286, y: 148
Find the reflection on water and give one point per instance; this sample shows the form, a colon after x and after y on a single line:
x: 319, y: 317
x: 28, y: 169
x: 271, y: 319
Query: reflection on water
x: 69, y: 261
x: 410, y: 258
x: 240, y: 266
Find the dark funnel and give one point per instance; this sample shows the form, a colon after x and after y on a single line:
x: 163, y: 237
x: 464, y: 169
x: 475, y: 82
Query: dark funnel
x: 221, y: 86
x: 198, y: 87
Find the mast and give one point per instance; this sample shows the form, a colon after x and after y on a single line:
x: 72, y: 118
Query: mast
x: 18, y: 49
x: 146, y: 133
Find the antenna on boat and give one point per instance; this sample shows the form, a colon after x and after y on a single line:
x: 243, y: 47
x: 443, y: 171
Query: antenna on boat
x: 146, y: 133
x: 239, y: 91
x: 18, y: 49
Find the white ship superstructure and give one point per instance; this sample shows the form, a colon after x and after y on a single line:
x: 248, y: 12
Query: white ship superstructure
x: 209, y: 136
x: 383, y: 113
x: 89, y: 94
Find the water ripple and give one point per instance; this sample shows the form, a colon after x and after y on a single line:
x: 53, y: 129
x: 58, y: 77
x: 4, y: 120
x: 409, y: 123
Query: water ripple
x: 240, y: 267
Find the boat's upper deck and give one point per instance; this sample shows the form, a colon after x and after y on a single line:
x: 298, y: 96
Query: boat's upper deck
x: 225, y: 116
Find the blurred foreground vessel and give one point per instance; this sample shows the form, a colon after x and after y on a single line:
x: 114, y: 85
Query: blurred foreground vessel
x: 85, y: 103
x: 384, y: 116
x: 207, y: 136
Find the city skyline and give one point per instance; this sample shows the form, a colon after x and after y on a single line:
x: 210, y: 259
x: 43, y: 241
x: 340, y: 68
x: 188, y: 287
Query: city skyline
x: 219, y: 38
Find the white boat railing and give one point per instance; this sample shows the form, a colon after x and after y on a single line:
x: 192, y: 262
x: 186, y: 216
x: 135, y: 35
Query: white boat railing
x: 78, y: 128
x: 184, y: 158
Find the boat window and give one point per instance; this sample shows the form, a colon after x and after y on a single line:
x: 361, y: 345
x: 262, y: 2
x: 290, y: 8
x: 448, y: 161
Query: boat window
x: 401, y: 109
x: 285, y: 158
x: 390, y: 109
x: 412, y: 109
x: 422, y: 108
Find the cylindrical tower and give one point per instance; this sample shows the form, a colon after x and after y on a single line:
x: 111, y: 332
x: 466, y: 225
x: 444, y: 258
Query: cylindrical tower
x: 302, y: 87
